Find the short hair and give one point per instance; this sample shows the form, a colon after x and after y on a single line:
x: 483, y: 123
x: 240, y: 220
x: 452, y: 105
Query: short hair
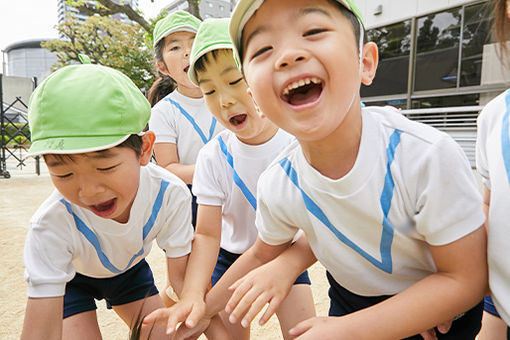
x: 201, y: 63
x: 133, y: 142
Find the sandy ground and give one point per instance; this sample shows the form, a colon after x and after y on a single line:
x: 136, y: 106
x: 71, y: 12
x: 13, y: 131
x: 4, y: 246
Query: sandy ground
x: 19, y: 198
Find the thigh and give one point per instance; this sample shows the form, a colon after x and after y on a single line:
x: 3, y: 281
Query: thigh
x: 236, y: 331
x: 493, y: 328
x: 132, y: 313
x: 82, y: 326
x: 297, y: 306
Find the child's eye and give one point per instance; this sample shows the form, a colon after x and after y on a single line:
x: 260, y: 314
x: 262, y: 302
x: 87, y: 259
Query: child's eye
x: 208, y: 93
x: 235, y: 81
x: 261, y: 51
x: 64, y: 176
x: 314, y: 31
x: 108, y: 168
x: 174, y: 48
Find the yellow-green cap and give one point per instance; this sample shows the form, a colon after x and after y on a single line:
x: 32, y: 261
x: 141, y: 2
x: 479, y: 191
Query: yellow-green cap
x: 178, y: 21
x: 246, y: 8
x: 212, y: 35
x: 85, y: 108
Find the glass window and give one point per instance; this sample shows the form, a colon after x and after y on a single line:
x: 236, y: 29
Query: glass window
x: 477, y: 23
x: 446, y: 101
x: 398, y: 103
x: 437, y: 50
x: 394, y: 44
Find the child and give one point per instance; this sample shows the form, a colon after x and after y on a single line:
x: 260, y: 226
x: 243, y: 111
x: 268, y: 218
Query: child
x: 226, y: 175
x: 493, y: 164
x: 88, y: 240
x: 389, y: 206
x: 180, y: 120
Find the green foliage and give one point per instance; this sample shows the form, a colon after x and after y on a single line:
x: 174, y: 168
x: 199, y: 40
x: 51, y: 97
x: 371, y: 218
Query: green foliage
x: 107, y: 42
x: 12, y: 130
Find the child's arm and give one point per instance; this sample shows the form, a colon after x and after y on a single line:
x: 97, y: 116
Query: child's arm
x: 204, y: 254
x: 167, y: 157
x: 43, y: 319
x: 459, y: 283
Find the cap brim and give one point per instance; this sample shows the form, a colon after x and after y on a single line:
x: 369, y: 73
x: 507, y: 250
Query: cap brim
x: 176, y: 29
x: 215, y: 46
x: 73, y: 145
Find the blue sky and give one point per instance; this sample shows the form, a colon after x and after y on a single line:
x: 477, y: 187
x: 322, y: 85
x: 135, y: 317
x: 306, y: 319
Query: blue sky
x: 34, y: 19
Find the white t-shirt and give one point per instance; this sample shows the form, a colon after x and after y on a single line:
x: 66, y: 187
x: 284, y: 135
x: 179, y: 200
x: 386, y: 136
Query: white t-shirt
x: 183, y: 121
x: 214, y: 184
x: 64, y: 239
x: 492, y: 153
x: 429, y: 197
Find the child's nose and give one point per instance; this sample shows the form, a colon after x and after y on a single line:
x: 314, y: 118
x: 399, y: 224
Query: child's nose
x: 90, y: 188
x: 226, y: 101
x: 290, y: 57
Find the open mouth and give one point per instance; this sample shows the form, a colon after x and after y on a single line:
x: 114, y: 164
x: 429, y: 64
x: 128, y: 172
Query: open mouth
x: 303, y: 92
x: 186, y: 69
x: 238, y: 120
x: 105, y: 208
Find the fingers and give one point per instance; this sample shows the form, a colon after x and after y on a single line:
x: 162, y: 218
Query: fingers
x: 429, y: 334
x: 257, y: 305
x: 194, y: 316
x: 251, y: 302
x: 301, y: 328
x: 176, y: 316
x: 237, y: 295
x: 270, y: 310
x: 159, y: 316
x: 444, y: 327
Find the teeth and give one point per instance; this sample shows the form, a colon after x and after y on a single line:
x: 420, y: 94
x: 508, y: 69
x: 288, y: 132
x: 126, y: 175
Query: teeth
x: 300, y: 83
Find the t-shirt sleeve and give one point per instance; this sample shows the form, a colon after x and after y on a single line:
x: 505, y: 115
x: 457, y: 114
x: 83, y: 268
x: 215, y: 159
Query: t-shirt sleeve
x: 274, y: 227
x: 481, y: 149
x: 176, y: 234
x: 47, y: 257
x: 448, y: 201
x: 206, y: 179
x: 162, y: 123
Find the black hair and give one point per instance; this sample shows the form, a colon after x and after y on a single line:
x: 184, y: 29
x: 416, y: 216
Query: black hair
x: 133, y: 142
x: 200, y: 64
x: 163, y: 85
x: 501, y: 26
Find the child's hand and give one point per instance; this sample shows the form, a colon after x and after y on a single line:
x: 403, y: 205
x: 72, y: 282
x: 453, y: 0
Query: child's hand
x: 185, y: 333
x: 443, y: 328
x: 323, y: 328
x: 266, y: 284
x: 189, y: 311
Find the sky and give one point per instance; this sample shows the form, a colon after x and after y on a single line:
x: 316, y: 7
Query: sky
x: 35, y: 19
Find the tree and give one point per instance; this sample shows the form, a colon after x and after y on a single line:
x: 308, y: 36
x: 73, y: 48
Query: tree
x: 109, y: 7
x: 107, y: 42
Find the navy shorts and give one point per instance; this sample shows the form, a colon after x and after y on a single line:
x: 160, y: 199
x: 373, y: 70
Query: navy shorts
x: 135, y: 284
x: 225, y: 260
x: 194, y: 207
x: 489, y: 307
x: 344, y: 302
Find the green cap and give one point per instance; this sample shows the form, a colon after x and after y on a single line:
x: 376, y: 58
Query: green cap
x: 212, y: 35
x: 178, y: 21
x: 246, y: 8
x: 84, y: 108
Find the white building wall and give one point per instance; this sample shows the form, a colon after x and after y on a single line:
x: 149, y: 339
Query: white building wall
x: 398, y: 10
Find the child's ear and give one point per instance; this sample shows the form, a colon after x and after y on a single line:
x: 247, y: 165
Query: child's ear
x: 508, y: 9
x: 257, y: 108
x: 148, y: 139
x: 369, y: 60
x: 162, y: 67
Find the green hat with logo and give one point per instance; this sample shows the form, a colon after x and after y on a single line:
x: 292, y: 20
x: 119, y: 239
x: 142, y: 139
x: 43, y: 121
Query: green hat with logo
x: 212, y: 35
x: 178, y: 21
x: 246, y: 8
x: 85, y: 108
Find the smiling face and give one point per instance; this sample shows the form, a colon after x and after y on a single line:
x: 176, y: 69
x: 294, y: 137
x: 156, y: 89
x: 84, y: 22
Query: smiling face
x: 226, y: 96
x: 302, y: 62
x: 175, y: 54
x: 104, y: 182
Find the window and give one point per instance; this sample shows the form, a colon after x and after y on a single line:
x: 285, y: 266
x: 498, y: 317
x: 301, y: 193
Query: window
x: 476, y: 33
x: 394, y: 43
x: 437, y: 50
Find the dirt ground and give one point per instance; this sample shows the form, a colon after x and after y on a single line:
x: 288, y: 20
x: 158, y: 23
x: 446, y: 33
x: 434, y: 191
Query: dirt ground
x: 20, y: 196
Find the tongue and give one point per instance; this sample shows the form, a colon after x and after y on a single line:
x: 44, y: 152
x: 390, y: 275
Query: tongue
x: 104, y: 206
x: 304, y: 97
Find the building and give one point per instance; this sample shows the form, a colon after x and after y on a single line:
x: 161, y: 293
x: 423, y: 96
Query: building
x: 28, y: 59
x: 437, y: 62
x: 65, y: 10
x: 208, y: 8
